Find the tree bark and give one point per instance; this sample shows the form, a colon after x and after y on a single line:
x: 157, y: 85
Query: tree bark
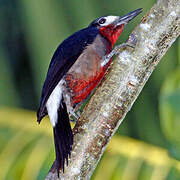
x: 125, y: 79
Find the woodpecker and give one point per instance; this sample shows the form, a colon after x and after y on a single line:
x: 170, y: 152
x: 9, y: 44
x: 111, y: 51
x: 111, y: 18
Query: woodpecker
x: 76, y: 68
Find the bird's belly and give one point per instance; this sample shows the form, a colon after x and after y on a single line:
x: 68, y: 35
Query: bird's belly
x: 86, y: 73
x: 82, y: 79
x: 81, y: 87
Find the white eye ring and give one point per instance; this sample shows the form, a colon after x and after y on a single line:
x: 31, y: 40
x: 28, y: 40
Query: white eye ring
x: 102, y: 21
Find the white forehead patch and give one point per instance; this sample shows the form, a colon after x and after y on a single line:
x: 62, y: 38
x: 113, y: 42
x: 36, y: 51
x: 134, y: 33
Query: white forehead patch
x: 109, y: 20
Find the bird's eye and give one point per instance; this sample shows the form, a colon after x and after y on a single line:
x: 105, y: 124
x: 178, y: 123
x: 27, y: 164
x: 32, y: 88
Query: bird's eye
x: 102, y: 21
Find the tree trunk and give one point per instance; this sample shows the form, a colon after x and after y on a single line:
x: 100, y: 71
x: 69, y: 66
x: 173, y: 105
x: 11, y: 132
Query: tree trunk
x: 125, y: 79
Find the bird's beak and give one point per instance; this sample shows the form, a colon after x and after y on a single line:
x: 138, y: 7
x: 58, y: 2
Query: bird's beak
x: 128, y: 17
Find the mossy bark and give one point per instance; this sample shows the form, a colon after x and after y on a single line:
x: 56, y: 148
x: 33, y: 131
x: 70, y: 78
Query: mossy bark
x: 125, y: 79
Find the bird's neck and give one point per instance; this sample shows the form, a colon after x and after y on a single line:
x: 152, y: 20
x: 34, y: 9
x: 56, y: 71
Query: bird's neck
x: 111, y: 33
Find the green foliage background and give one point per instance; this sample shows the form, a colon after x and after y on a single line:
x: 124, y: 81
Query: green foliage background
x: 30, y: 31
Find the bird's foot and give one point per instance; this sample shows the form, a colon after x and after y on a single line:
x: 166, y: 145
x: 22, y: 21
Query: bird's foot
x: 122, y: 46
x: 130, y: 43
x: 117, y: 50
x: 74, y: 116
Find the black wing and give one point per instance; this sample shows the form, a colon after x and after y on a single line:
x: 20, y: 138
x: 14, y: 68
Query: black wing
x: 64, y: 57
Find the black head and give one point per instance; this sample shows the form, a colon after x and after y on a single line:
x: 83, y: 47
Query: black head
x: 111, y: 27
x: 103, y: 21
x: 115, y: 20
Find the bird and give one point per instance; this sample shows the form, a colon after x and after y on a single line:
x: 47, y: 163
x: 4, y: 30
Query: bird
x: 76, y: 69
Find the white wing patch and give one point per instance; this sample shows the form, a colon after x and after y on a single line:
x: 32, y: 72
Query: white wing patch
x: 53, y: 103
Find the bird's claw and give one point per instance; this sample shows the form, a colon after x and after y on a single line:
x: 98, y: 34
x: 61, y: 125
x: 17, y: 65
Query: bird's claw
x: 123, y: 45
x: 74, y: 116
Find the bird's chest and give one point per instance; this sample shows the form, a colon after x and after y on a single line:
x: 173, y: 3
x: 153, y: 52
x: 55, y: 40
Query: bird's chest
x: 87, y: 72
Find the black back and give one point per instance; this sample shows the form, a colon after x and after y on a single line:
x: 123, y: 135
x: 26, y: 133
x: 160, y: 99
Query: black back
x: 64, y: 57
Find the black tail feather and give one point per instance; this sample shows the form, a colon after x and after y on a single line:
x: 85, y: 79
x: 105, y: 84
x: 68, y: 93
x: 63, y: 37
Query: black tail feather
x: 63, y: 137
